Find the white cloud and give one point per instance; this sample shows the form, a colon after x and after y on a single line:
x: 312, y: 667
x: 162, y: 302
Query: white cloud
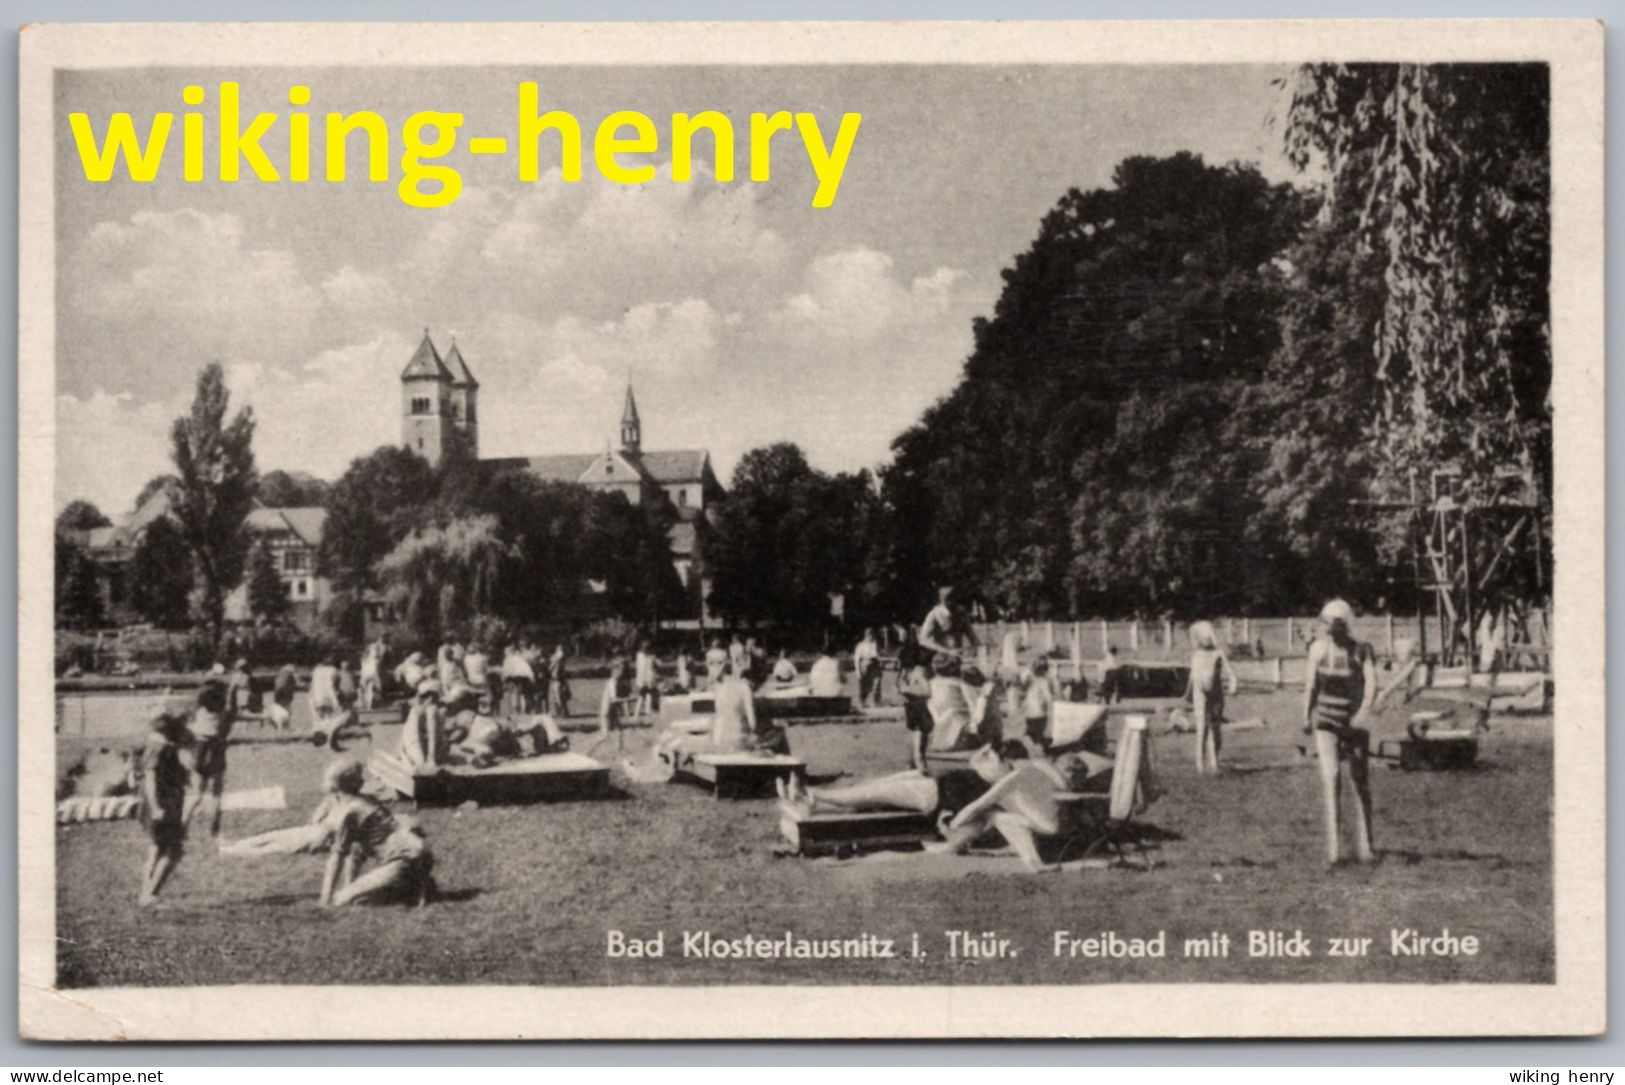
x: 107, y: 446
x: 319, y: 414
x: 854, y: 295
x: 187, y: 268
x: 358, y: 291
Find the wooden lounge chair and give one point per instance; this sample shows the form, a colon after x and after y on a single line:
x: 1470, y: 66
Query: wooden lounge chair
x: 1093, y: 823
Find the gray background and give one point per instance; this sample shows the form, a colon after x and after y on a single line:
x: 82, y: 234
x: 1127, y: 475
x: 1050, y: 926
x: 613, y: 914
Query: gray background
x: 1526, y: 1053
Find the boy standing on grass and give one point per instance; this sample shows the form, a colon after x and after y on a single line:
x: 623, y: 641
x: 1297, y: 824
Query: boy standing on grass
x: 163, y: 799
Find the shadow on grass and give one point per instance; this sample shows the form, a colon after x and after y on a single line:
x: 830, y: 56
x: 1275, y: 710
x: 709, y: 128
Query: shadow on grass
x: 1412, y: 857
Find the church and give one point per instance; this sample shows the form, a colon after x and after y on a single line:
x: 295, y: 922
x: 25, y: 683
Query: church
x: 440, y: 413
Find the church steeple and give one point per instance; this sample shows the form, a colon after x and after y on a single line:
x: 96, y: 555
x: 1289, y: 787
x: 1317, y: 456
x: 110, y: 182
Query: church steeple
x: 631, y: 428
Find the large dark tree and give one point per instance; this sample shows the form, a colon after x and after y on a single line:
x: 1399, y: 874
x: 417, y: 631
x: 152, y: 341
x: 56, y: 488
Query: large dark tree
x: 789, y: 537
x: 160, y: 575
x: 1437, y: 197
x: 1444, y: 171
x: 292, y: 489
x: 370, y: 509
x: 78, y: 591
x: 215, y: 486
x: 267, y: 595
x: 1078, y: 465
x: 79, y: 515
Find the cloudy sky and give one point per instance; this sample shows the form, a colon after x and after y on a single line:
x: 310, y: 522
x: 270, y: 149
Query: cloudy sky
x: 742, y: 314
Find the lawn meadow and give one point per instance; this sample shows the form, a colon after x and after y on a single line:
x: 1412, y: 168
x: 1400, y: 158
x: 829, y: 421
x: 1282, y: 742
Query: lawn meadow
x: 530, y: 894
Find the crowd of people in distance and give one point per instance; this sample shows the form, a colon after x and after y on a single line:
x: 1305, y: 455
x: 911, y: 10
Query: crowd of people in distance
x: 477, y: 704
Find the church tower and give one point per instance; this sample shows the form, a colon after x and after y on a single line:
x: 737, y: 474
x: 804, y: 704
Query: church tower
x: 465, y: 394
x: 631, y: 428
x: 426, y: 402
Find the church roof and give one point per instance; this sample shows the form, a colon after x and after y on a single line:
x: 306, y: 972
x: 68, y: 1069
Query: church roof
x: 426, y: 363
x: 664, y: 468
x: 462, y: 377
x: 629, y: 415
x: 558, y: 468
x: 677, y: 465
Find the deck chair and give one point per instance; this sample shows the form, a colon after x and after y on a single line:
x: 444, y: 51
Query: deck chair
x: 1133, y: 790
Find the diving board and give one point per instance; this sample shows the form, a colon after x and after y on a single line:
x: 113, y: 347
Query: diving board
x: 550, y: 777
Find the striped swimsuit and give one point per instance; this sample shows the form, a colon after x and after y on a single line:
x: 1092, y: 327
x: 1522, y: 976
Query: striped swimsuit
x: 1339, y: 685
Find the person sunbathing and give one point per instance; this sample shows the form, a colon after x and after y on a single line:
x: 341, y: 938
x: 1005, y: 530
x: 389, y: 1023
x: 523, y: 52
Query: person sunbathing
x: 489, y: 741
x: 733, y: 724
x: 354, y: 829
x: 1017, y: 800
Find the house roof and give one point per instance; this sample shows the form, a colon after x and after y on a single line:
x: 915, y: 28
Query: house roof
x: 678, y: 465
x: 461, y: 375
x: 426, y: 363
x: 305, y: 523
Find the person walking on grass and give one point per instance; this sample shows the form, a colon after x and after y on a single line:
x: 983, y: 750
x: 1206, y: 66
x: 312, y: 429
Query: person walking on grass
x: 164, y: 779
x: 210, y: 730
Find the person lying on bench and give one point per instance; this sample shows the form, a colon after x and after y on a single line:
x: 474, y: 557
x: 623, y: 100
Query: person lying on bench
x: 490, y: 740
x: 1017, y: 799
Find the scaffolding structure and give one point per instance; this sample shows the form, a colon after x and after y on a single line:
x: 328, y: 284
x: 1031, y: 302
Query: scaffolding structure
x: 1481, y: 554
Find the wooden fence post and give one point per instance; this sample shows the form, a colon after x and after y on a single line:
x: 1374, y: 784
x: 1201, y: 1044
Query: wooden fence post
x: 1105, y: 636
x: 1279, y: 680
x: 1291, y: 641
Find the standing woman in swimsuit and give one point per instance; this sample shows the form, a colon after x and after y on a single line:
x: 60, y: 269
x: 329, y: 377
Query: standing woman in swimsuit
x: 1340, y: 686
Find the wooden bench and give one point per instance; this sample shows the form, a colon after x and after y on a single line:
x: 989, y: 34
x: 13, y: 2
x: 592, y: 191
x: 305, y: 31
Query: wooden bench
x: 802, y: 707
x: 741, y: 775
x: 546, y: 778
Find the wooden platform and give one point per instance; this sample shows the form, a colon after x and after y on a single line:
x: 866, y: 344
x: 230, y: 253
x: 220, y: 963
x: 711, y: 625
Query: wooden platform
x: 679, y: 706
x: 548, y: 778
x: 1080, y: 814
x: 830, y: 834
x: 803, y: 707
x: 741, y: 775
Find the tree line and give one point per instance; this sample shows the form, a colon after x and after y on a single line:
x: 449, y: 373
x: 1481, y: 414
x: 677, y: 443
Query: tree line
x: 441, y: 546
x: 1197, y: 388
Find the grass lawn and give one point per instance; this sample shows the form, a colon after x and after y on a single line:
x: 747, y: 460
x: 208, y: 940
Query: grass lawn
x: 531, y: 892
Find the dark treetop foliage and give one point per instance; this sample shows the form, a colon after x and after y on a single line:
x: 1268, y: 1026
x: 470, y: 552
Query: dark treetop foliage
x: 214, y: 491
x: 80, y: 515
x: 160, y: 575
x: 267, y: 596
x: 789, y: 537
x: 1444, y: 170
x: 1079, y: 466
